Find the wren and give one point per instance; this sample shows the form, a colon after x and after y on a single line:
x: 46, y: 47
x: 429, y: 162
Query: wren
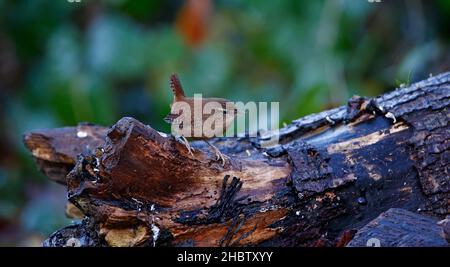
x: 221, y: 110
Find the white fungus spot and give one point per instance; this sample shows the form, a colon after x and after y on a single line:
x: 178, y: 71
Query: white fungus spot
x: 97, y: 162
x: 163, y: 134
x: 81, y: 134
x: 297, y: 213
x: 139, y: 202
x: 248, y: 152
x: 329, y: 120
x: 389, y: 115
x: 152, y: 207
x: 265, y: 154
x: 155, y: 231
x: 73, y: 242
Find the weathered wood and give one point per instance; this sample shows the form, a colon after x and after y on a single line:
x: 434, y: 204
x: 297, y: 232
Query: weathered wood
x: 400, y: 228
x: 56, y: 150
x: 332, y: 172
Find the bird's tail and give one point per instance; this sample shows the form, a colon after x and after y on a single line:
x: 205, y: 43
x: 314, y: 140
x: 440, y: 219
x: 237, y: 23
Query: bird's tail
x: 176, y: 87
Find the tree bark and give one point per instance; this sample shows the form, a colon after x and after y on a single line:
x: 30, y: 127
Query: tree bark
x: 332, y: 172
x: 400, y: 228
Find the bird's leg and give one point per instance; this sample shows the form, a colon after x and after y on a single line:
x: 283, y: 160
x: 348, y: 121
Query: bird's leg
x: 185, y: 142
x: 219, y: 154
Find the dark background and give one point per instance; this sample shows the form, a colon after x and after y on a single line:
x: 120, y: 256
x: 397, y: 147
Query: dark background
x: 62, y: 63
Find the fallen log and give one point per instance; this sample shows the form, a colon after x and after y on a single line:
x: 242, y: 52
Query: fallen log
x: 331, y: 172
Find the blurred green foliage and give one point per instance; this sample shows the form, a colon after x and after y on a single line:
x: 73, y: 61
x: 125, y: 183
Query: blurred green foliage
x: 62, y: 63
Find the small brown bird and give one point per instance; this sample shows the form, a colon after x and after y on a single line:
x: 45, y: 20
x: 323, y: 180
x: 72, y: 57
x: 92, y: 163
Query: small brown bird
x: 220, y: 110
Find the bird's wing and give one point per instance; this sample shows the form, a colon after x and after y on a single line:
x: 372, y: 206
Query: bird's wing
x: 223, y: 103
